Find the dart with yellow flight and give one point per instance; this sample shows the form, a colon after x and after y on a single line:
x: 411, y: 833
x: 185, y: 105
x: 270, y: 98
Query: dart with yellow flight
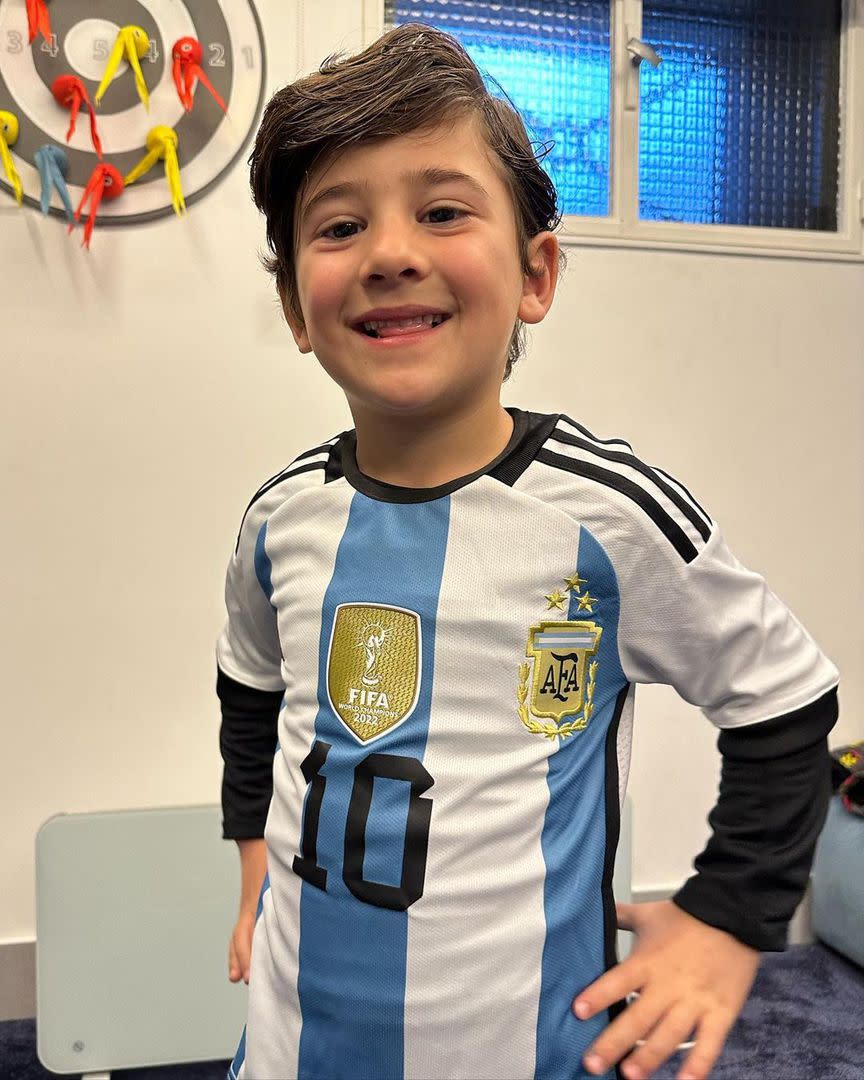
x: 162, y: 144
x: 131, y: 44
x: 8, y: 137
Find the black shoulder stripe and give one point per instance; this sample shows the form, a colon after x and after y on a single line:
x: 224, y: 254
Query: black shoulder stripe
x: 670, y: 528
x: 623, y: 442
x: 688, y: 494
x: 634, y: 463
x: 308, y: 467
x: 311, y: 466
x: 323, y: 449
x: 590, y: 435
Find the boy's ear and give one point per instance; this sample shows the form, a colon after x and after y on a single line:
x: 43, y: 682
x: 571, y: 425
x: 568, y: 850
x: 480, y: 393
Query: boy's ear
x: 298, y: 327
x: 538, y: 291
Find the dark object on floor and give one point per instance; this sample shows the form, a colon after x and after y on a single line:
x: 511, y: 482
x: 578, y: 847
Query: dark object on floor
x: 847, y: 776
x: 803, y: 1021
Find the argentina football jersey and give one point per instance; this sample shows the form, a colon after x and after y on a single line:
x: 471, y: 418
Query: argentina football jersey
x: 457, y: 669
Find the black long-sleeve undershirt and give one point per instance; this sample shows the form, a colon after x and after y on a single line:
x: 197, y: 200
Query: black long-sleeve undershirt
x: 247, y: 741
x: 774, y: 792
x: 775, y: 785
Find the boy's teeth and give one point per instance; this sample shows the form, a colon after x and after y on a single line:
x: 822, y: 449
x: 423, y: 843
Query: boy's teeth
x: 404, y: 324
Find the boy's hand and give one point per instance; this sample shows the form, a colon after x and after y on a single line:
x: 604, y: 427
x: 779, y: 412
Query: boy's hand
x: 253, y: 867
x: 240, y: 947
x: 690, y: 977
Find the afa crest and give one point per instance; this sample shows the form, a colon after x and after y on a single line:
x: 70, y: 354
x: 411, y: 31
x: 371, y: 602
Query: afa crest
x: 563, y: 680
x: 373, y: 667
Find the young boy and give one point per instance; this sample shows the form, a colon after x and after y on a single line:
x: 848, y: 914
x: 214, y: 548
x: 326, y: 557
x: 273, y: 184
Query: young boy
x: 437, y: 620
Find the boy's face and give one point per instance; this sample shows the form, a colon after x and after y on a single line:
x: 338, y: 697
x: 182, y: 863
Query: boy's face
x: 404, y: 241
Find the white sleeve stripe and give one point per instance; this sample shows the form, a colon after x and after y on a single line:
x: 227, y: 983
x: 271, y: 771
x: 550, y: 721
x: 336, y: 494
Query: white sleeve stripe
x: 674, y: 494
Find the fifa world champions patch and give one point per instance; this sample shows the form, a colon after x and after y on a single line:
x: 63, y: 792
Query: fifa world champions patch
x: 373, y: 667
x: 564, y: 675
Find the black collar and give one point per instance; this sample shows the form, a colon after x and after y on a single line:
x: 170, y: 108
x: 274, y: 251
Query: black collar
x: 530, y: 431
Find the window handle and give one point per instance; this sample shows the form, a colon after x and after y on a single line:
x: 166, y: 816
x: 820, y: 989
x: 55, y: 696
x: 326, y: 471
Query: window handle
x: 639, y: 51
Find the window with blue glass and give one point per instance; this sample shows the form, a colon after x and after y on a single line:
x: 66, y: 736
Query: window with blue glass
x: 738, y: 125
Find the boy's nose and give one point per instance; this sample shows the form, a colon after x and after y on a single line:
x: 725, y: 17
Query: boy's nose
x: 394, y: 260
x: 394, y: 248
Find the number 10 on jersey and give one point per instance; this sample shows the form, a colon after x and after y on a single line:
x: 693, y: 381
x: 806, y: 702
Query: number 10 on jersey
x: 415, y: 843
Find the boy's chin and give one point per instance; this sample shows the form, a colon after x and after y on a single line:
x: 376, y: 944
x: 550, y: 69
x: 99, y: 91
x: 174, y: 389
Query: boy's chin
x: 404, y: 400
x: 407, y: 404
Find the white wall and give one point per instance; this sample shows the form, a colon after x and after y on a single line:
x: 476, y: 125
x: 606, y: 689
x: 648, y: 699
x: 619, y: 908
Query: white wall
x: 150, y: 386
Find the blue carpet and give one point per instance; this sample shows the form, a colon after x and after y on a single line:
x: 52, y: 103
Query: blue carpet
x: 804, y: 1020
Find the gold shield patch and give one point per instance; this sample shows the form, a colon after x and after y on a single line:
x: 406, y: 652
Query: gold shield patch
x: 373, y: 667
x: 563, y: 681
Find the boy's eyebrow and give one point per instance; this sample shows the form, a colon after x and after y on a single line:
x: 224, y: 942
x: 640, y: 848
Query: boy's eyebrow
x: 429, y: 177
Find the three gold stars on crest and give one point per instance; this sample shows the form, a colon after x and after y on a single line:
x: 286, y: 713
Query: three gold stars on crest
x: 557, y: 598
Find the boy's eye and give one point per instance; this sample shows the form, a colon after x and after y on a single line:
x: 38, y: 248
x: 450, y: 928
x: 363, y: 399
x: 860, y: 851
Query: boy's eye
x: 338, y: 225
x: 445, y: 210
x: 353, y: 224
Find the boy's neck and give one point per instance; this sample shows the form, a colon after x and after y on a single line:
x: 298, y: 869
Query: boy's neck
x: 428, y: 452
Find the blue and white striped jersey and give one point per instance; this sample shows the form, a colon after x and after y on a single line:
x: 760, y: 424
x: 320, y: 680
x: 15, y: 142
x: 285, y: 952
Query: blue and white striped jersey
x: 458, y: 667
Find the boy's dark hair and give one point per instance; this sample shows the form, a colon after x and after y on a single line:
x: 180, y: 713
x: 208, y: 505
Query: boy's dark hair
x: 411, y: 78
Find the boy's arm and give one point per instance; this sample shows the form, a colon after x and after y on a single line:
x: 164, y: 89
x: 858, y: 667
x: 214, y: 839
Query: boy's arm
x: 693, y: 617
x: 250, y: 688
x: 695, y: 958
x: 247, y: 740
x: 774, y: 793
x: 253, y: 867
x: 711, y: 628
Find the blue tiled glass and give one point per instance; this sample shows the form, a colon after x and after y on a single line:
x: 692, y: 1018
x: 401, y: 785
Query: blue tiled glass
x: 739, y: 125
x: 551, y: 59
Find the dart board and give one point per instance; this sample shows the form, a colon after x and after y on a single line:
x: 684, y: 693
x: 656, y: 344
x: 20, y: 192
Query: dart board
x: 83, y: 35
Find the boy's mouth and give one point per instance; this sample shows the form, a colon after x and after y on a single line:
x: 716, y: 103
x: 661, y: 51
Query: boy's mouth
x: 393, y: 328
